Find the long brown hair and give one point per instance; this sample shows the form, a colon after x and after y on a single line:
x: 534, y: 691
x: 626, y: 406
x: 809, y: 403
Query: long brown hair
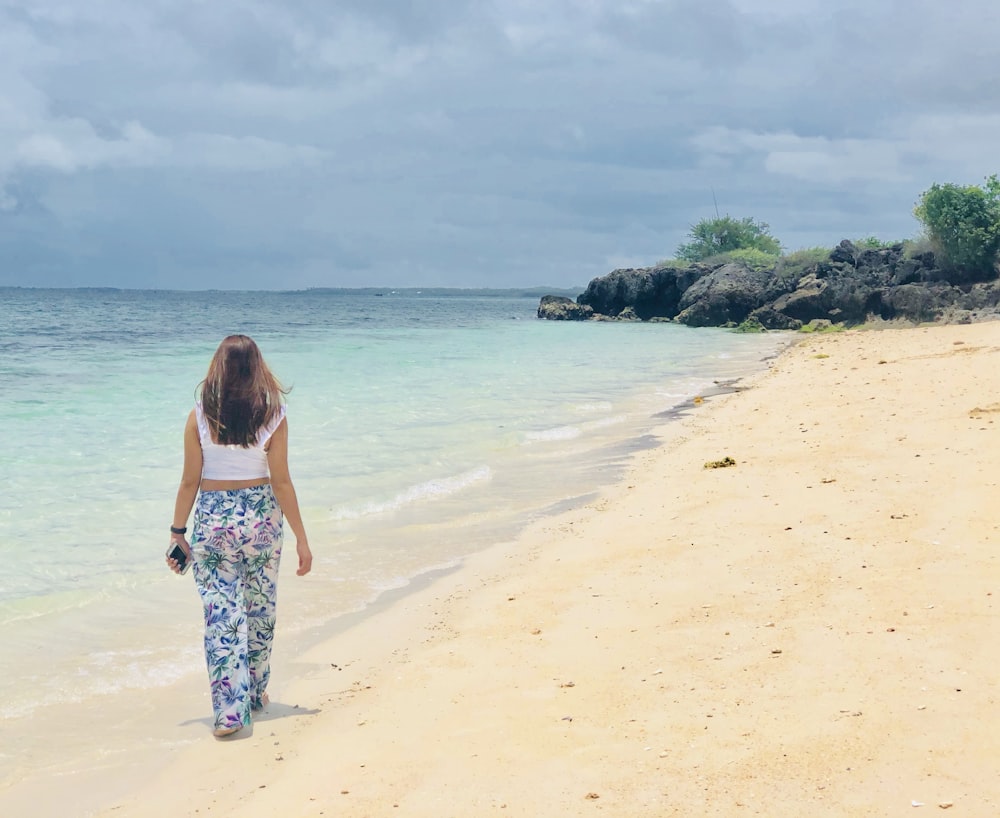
x: 239, y: 395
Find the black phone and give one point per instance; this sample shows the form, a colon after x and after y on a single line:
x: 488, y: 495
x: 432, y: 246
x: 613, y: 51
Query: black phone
x: 177, y: 553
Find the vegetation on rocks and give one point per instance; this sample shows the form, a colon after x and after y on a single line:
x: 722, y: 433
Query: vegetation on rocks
x: 751, y: 324
x: 797, y: 263
x: 710, y: 237
x: 819, y: 325
x: 963, y: 224
x: 753, y: 258
x: 733, y: 273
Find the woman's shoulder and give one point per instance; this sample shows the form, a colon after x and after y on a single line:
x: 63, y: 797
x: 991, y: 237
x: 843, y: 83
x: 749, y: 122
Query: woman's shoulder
x: 192, y: 424
x: 273, y: 424
x: 197, y: 417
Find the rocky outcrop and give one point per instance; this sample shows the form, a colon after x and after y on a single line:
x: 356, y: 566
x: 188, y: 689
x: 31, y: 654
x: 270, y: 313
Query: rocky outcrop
x: 770, y: 318
x: 852, y: 285
x: 838, y: 298
x: 943, y: 302
x: 727, y: 295
x: 651, y: 292
x: 560, y: 308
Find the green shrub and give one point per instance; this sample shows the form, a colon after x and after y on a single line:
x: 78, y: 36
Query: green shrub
x: 963, y: 223
x: 710, y: 237
x: 750, y: 256
x: 675, y: 263
x: 795, y: 264
x: 873, y: 243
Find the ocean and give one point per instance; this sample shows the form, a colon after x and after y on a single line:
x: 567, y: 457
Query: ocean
x: 424, y: 426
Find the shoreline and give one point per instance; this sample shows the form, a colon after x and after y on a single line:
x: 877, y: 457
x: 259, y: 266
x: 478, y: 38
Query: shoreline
x: 411, y: 457
x: 671, y: 648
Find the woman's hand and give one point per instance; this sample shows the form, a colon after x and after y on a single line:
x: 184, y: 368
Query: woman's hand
x: 181, y: 540
x: 305, y: 557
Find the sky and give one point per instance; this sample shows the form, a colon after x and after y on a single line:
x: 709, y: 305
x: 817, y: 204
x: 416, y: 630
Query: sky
x: 287, y: 144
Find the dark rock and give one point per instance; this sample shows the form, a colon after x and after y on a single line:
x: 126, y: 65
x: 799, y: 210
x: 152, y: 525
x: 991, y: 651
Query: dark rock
x: 727, y: 295
x: 823, y: 269
x: 943, y: 302
x: 872, y: 259
x: 844, y: 253
x: 770, y: 318
x: 560, y: 308
x: 908, y: 271
x: 852, y: 286
x: 918, y: 302
x: 980, y: 297
x: 805, y: 302
x: 649, y: 291
x: 838, y: 297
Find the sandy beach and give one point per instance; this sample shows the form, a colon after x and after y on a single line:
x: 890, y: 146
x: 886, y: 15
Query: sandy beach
x: 810, y: 631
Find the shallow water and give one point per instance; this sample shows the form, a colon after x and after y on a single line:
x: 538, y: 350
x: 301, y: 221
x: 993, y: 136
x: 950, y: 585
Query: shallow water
x: 423, y: 427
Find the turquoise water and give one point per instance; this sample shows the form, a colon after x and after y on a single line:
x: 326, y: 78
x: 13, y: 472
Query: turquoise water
x: 423, y: 426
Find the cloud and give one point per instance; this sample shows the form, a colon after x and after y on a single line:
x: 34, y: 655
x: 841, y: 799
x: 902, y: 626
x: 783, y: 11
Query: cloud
x: 820, y: 160
x: 72, y: 144
x: 964, y: 142
x: 468, y: 142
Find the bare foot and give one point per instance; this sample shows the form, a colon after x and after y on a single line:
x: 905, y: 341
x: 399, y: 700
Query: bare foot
x: 220, y: 732
x: 265, y: 700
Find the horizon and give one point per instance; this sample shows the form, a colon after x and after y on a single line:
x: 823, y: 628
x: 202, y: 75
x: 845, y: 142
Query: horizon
x: 527, y: 290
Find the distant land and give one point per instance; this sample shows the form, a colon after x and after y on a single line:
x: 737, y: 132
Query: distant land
x: 527, y: 292
x: 509, y: 292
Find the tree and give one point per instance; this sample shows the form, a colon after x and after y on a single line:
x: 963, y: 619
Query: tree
x: 709, y: 237
x: 963, y: 224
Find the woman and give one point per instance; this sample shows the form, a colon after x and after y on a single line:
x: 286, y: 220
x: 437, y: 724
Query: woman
x: 236, y: 452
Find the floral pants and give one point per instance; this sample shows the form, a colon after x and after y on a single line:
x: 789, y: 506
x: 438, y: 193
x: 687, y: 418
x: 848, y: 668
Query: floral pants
x: 236, y: 542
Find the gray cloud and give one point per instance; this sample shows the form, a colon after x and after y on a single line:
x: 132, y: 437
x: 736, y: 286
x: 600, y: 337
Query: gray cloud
x: 484, y: 142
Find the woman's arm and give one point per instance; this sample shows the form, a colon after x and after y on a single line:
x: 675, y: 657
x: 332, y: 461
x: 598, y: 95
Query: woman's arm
x: 188, y: 488
x: 284, y: 491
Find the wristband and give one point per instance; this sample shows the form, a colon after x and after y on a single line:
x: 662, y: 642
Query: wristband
x: 175, y: 530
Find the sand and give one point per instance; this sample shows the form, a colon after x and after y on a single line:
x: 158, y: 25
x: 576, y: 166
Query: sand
x: 807, y: 632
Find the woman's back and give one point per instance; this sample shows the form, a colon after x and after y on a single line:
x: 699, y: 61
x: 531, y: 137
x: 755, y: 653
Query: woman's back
x: 231, y: 461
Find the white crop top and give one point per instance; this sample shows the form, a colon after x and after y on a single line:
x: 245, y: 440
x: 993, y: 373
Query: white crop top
x: 232, y: 462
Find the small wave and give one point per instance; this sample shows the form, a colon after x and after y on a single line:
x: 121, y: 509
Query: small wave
x: 389, y: 584
x: 572, y: 432
x: 614, y: 420
x: 105, y: 673
x: 394, y: 583
x: 559, y: 433
x: 683, y: 391
x: 429, y: 491
x: 593, y: 408
x: 683, y: 388
x: 17, y: 609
